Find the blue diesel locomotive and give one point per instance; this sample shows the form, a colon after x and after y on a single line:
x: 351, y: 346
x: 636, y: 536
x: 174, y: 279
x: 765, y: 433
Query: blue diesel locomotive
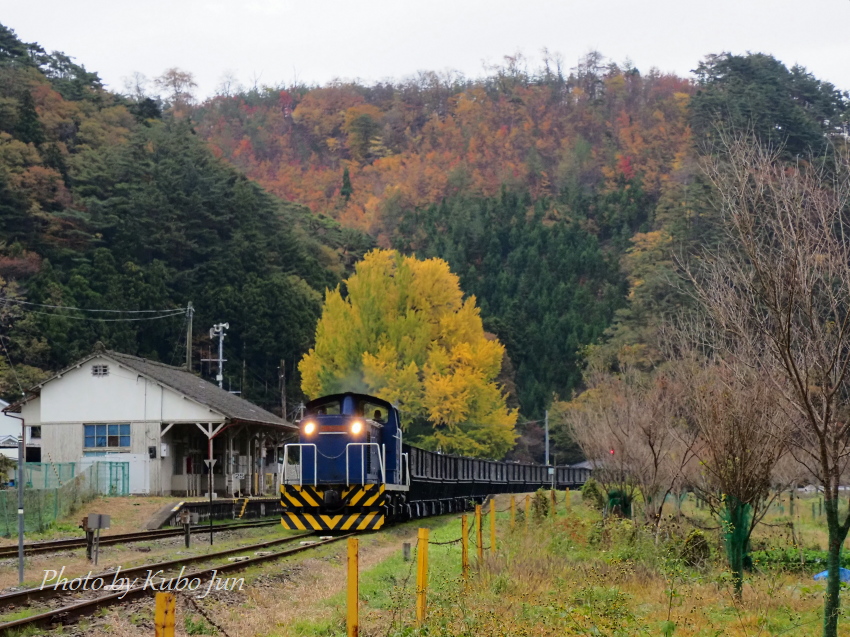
x: 353, y: 472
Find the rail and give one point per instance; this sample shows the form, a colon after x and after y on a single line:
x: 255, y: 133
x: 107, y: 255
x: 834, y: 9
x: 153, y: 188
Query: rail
x: 380, y: 453
x: 63, y: 614
x: 301, y: 462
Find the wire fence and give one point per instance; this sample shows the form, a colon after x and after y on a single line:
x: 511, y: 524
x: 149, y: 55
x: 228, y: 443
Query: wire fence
x: 54, y: 490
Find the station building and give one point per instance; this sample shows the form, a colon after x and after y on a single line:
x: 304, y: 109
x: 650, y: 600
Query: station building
x: 162, y: 421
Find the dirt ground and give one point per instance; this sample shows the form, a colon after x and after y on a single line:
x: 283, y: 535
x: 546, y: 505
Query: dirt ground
x: 128, y: 514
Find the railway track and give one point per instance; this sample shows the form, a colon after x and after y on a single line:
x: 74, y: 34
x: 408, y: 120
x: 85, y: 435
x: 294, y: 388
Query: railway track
x: 79, y: 607
x: 32, y: 548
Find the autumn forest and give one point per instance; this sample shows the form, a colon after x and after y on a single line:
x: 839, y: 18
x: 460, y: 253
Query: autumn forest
x: 561, y: 196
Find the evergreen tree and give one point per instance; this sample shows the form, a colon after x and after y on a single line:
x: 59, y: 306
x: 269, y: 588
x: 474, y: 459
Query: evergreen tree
x: 28, y: 129
x: 346, y: 191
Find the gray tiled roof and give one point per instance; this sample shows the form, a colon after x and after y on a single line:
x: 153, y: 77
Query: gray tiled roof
x: 198, y: 389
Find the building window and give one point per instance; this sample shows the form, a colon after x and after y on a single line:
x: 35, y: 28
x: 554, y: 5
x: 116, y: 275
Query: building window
x: 100, y: 370
x: 35, y: 432
x: 106, y: 436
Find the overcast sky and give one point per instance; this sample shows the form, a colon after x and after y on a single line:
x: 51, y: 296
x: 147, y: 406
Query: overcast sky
x: 314, y: 41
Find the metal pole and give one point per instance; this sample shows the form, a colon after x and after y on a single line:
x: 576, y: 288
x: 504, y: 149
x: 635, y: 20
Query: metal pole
x: 546, y: 429
x: 189, y: 311
x: 283, y: 389
x: 21, y: 460
x: 211, y: 484
x: 221, y: 361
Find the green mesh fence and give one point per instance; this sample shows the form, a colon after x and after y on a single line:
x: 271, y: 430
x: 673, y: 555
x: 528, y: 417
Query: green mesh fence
x: 43, y: 506
x: 735, y: 518
x: 49, y: 475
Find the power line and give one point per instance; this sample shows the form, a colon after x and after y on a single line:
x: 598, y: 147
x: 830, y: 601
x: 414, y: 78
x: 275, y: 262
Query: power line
x: 83, y: 309
x: 116, y: 320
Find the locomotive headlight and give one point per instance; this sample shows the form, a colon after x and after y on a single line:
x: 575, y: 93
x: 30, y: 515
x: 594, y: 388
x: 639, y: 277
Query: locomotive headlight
x: 356, y: 427
x: 309, y: 427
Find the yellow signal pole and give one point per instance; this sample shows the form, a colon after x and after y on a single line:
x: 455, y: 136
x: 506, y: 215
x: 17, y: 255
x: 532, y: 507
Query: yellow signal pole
x: 164, y: 614
x: 353, y: 619
x: 421, y: 576
x: 464, y: 546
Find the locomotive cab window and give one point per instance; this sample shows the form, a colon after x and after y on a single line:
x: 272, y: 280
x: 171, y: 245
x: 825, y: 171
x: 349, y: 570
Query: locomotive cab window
x: 376, y: 413
x: 330, y: 408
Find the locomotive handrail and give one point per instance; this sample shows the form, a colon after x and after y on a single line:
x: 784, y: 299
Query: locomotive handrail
x: 363, y: 446
x: 405, y: 458
x: 301, y: 462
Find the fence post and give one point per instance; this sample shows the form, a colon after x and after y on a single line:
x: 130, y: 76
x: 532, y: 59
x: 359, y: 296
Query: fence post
x: 554, y: 502
x: 567, y: 498
x: 493, y: 526
x: 164, y: 615
x: 513, y: 511
x: 464, y: 546
x: 421, y: 576
x: 353, y: 623
x: 479, y: 536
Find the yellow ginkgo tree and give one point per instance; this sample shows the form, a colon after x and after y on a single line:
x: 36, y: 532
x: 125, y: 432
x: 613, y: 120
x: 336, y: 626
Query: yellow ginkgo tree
x: 404, y: 332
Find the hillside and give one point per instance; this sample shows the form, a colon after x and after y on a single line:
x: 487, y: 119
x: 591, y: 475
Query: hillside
x: 109, y: 204
x: 559, y: 198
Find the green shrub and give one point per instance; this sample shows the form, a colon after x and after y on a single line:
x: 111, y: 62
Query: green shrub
x: 540, y: 505
x: 593, y: 495
x: 696, y: 551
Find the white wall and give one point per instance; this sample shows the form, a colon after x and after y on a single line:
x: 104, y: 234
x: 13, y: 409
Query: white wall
x: 123, y: 396
x: 140, y: 469
x: 8, y: 425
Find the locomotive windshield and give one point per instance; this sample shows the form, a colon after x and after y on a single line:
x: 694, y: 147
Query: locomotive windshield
x: 329, y: 407
x: 350, y: 405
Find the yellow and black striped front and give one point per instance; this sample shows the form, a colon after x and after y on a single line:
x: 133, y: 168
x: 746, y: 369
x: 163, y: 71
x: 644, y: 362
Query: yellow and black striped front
x: 360, y: 508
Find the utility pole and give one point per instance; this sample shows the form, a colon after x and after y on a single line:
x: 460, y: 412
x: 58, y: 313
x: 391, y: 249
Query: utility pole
x: 546, y: 429
x: 283, y: 388
x: 189, y: 312
x: 22, y: 455
x: 218, y: 330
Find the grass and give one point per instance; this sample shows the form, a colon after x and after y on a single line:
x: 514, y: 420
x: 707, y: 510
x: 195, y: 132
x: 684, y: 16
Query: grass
x: 570, y: 574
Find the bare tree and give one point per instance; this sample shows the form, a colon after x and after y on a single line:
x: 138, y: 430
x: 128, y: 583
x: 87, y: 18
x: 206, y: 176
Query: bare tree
x: 179, y: 87
x: 136, y: 86
x: 623, y: 424
x: 780, y: 285
x: 741, y: 436
x: 228, y: 84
